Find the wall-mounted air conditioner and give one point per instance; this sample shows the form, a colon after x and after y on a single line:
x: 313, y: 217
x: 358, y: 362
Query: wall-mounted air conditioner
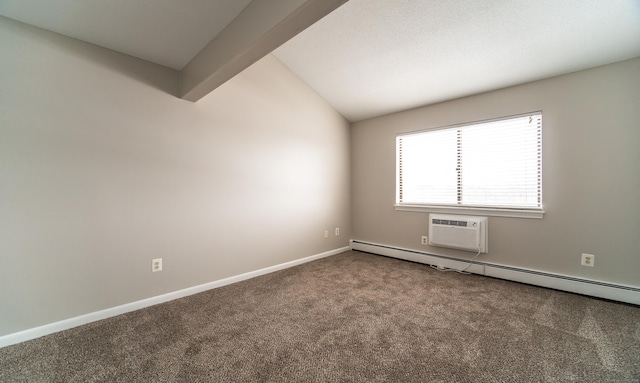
x: 459, y: 232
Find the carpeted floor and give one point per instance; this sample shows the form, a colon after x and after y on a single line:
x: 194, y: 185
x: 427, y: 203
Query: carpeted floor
x: 352, y: 317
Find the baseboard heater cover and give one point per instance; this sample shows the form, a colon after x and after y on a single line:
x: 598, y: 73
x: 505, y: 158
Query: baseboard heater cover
x: 616, y: 292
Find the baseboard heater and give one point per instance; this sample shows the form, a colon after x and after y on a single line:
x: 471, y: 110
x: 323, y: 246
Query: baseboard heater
x: 621, y: 293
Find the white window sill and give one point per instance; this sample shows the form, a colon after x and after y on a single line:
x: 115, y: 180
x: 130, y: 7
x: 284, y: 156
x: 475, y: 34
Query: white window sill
x: 486, y: 211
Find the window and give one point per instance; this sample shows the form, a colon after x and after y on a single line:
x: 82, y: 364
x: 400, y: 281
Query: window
x: 491, y: 166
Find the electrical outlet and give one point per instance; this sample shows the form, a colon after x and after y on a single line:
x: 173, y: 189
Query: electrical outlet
x: 156, y: 264
x: 588, y: 260
x: 337, y: 231
x: 425, y: 240
x: 326, y: 234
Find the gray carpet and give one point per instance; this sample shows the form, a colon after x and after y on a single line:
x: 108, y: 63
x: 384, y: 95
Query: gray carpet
x: 352, y: 317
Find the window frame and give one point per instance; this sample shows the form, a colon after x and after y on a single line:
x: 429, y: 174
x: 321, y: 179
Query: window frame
x: 515, y: 212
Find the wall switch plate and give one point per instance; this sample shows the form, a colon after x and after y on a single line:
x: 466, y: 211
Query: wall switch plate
x: 588, y: 260
x: 156, y: 265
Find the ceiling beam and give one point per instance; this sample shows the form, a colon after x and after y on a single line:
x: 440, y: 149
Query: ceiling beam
x: 261, y: 27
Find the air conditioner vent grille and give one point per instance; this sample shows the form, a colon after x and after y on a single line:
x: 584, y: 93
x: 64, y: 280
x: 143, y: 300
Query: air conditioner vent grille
x: 448, y: 222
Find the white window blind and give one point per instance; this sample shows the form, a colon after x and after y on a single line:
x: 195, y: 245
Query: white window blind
x: 494, y: 164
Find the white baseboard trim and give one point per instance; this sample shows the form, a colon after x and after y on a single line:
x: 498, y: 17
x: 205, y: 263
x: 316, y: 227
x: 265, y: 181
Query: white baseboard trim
x: 616, y: 292
x: 65, y: 324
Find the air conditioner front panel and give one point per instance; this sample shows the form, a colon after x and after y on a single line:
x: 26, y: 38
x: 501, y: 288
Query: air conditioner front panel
x: 458, y: 232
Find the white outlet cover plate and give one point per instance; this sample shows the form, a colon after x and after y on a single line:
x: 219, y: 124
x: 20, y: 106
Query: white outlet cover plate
x: 586, y: 257
x: 156, y: 265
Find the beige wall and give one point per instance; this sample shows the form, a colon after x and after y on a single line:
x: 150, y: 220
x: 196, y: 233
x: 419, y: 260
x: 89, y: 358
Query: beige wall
x: 591, y: 175
x: 102, y: 169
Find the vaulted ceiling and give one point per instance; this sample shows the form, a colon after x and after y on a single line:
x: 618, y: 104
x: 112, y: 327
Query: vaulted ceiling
x: 365, y: 57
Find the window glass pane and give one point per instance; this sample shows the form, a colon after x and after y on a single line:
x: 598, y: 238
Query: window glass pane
x: 428, y: 168
x: 500, y: 163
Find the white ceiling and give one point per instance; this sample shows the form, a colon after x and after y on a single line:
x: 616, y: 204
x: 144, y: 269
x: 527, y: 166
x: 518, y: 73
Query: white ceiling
x: 373, y: 57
